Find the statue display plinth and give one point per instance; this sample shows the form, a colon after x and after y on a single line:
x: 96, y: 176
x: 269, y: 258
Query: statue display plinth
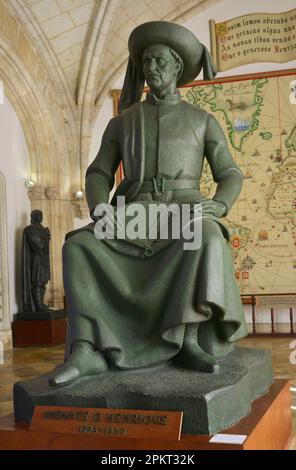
x: 44, y: 328
x: 267, y: 427
x: 36, y: 324
x: 210, y: 402
x: 48, y: 314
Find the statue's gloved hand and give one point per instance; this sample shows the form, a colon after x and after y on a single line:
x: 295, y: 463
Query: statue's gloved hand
x: 215, y: 208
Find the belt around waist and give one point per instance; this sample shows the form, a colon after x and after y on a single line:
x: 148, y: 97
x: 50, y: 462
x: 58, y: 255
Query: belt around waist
x: 160, y: 185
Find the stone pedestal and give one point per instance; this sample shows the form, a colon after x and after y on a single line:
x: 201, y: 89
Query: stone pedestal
x: 40, y: 328
x: 210, y: 402
x: 267, y: 427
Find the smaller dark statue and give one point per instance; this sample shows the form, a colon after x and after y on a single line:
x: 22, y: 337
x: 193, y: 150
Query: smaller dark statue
x: 35, y: 264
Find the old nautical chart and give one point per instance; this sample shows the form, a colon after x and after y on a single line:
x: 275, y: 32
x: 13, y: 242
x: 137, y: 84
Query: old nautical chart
x: 258, y: 116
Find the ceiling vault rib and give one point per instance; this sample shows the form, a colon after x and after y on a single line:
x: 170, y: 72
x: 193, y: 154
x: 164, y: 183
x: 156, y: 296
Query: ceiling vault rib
x: 90, y: 47
x: 86, y: 84
x: 25, y: 104
x: 41, y: 42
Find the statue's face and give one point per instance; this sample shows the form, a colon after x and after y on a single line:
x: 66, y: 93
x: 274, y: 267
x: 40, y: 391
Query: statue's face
x: 160, y: 67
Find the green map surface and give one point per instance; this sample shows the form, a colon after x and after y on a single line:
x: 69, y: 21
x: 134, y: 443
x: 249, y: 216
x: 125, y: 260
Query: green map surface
x: 259, y: 120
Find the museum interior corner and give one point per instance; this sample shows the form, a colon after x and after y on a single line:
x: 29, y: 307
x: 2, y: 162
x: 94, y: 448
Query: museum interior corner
x: 147, y: 229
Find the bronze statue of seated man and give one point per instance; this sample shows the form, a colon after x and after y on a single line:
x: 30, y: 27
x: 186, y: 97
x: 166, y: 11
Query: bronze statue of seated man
x: 131, y: 306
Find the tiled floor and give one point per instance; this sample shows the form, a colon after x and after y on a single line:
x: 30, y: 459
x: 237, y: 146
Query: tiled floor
x: 25, y: 363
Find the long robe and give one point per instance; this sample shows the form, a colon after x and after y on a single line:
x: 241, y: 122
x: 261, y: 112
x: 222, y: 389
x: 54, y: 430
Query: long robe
x: 131, y: 303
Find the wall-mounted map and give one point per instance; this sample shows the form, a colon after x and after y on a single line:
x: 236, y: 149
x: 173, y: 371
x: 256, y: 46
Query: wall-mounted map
x: 258, y: 116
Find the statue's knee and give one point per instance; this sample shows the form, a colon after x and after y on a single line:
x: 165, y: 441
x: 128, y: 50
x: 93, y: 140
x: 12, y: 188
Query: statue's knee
x: 211, y: 230
x: 72, y: 245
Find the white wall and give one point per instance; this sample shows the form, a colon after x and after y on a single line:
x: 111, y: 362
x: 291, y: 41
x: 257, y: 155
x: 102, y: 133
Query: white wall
x: 14, y: 164
x: 199, y: 25
x: 100, y: 125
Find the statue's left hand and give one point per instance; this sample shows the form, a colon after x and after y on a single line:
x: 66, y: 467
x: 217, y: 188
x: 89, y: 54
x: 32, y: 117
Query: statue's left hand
x: 215, y: 208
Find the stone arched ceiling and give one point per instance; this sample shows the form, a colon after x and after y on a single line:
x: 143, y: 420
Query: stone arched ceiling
x: 64, y: 24
x: 83, y: 46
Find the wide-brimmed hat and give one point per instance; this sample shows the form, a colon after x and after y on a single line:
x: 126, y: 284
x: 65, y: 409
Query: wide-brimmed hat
x: 172, y: 35
x: 195, y: 56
